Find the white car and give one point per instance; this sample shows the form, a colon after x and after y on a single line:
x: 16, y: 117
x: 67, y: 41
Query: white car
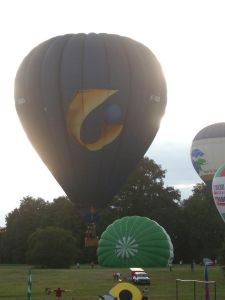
x: 208, y: 262
x: 141, y: 278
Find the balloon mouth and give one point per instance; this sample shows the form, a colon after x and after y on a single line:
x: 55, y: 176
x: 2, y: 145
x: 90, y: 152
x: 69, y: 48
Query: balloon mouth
x: 125, y: 295
x: 89, y: 214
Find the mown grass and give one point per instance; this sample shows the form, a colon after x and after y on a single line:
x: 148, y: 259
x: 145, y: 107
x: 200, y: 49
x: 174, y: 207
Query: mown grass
x: 87, y: 283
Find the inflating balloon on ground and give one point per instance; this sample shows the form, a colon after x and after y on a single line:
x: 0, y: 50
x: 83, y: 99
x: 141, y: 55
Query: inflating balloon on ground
x: 135, y: 241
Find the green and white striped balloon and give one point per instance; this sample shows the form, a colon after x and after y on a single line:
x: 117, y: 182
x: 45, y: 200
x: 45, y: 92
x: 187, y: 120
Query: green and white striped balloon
x: 135, y: 241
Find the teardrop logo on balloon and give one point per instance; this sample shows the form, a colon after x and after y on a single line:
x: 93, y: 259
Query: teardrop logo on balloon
x: 83, y: 103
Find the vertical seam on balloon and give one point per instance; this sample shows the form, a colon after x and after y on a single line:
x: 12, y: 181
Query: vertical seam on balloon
x: 68, y: 40
x: 26, y: 72
x: 45, y: 118
x: 103, y: 150
x: 120, y: 137
x: 60, y: 94
x: 82, y: 88
x: 82, y: 77
x: 145, y: 81
x: 68, y: 148
x: 123, y: 46
x: 101, y: 158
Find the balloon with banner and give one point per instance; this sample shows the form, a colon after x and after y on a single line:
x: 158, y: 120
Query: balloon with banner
x: 218, y: 190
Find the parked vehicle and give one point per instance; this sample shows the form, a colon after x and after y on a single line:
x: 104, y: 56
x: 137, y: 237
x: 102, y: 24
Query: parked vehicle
x: 139, y: 276
x: 208, y: 262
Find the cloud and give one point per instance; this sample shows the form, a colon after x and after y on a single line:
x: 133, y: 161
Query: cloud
x: 175, y: 159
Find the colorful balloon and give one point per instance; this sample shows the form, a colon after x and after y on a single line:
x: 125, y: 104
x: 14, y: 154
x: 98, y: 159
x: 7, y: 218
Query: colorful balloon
x: 91, y: 106
x: 218, y: 190
x: 208, y: 151
x: 134, y: 241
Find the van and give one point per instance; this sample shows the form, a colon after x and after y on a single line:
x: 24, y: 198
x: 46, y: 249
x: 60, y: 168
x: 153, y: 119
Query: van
x: 139, y: 276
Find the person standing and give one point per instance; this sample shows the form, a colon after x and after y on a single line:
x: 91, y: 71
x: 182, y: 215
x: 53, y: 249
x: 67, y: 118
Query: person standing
x: 170, y: 266
x: 58, y: 292
x: 145, y: 293
x: 192, y: 266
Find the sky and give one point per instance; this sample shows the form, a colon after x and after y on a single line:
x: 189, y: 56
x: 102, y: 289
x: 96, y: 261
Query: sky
x: 187, y: 37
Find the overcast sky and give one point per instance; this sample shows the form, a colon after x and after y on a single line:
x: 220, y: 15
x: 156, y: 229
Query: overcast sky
x: 186, y: 36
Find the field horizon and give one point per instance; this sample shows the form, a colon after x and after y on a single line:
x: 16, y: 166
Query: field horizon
x: 87, y: 283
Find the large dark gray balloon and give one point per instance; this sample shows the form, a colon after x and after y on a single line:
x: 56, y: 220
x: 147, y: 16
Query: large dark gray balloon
x: 91, y: 106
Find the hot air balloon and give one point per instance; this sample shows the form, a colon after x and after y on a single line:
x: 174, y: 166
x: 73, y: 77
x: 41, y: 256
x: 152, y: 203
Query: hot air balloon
x: 208, y: 151
x: 134, y: 241
x: 91, y: 106
x: 218, y: 190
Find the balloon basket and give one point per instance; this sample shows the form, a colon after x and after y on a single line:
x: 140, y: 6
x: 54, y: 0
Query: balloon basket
x: 91, y: 242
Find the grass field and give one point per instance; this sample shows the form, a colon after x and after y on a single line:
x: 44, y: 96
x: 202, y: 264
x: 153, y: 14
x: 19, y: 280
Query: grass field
x: 87, y: 283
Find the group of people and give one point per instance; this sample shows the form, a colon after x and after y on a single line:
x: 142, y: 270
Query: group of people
x: 90, y: 231
x: 116, y: 276
x: 58, y: 293
x: 170, y: 265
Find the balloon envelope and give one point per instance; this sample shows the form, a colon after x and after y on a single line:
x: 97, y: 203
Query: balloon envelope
x: 218, y: 190
x: 208, y: 151
x: 91, y: 106
x: 134, y: 241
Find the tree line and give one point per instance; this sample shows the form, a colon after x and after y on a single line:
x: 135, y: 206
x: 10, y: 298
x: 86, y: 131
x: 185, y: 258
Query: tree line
x: 52, y: 233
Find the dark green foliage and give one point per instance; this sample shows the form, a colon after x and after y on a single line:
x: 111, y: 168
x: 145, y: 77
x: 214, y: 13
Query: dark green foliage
x: 36, y: 213
x: 51, y: 247
x: 20, y: 223
x: 205, y: 232
x: 62, y: 213
x: 144, y: 193
x: 221, y: 257
x: 194, y: 225
x: 2, y: 245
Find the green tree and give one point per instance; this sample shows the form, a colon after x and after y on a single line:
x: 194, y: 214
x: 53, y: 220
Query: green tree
x: 37, y: 213
x: 51, y: 247
x: 206, y: 229
x: 20, y: 223
x: 2, y: 245
x: 221, y: 256
x: 144, y: 193
x: 62, y: 213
